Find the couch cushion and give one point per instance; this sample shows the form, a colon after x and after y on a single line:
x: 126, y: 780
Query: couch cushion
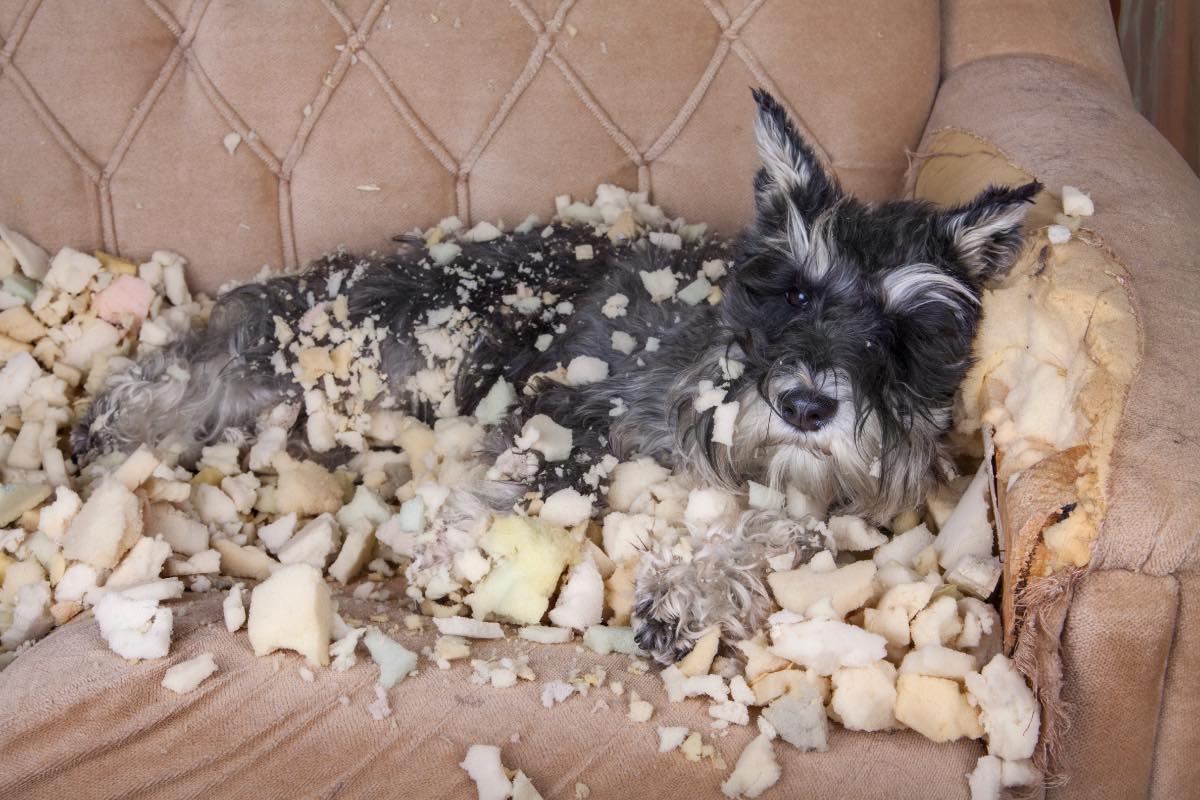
x: 113, y: 114
x: 76, y: 720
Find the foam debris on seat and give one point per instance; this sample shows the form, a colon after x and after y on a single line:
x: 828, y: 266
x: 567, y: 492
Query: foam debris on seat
x: 325, y: 563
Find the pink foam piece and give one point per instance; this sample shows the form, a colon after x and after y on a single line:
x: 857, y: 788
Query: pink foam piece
x: 126, y: 295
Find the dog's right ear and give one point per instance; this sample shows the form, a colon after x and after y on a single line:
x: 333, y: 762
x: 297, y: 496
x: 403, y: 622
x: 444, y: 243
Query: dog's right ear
x: 791, y: 188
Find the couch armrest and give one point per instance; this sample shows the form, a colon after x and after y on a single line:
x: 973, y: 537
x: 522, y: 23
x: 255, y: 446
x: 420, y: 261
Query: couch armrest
x: 1067, y: 124
x: 1116, y: 646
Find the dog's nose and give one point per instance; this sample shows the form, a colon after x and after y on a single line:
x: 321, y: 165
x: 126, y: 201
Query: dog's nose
x: 807, y: 410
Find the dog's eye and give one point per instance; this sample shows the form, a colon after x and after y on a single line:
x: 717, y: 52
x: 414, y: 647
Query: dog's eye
x: 797, y: 297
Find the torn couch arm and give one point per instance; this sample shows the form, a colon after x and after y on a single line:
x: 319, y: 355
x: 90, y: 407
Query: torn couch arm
x: 1097, y: 488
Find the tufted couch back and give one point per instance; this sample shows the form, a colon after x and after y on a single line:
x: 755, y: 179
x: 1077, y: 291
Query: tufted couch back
x: 359, y: 119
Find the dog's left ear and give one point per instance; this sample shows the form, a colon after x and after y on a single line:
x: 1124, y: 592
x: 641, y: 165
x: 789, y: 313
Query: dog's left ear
x: 985, y: 233
x: 791, y: 188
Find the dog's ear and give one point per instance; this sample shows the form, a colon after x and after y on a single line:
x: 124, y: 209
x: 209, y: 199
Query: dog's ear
x: 985, y: 233
x: 791, y: 188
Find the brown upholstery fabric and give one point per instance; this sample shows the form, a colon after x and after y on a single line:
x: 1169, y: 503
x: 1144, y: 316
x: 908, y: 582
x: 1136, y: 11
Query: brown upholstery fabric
x: 77, y: 721
x: 114, y: 113
x: 1116, y: 643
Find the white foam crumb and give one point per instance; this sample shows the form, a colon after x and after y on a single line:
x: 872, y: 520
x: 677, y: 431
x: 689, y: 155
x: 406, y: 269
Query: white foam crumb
x: 584, y: 252
x: 615, y: 306
x: 483, y: 232
x: 755, y: 772
x: 1058, y: 234
x: 659, y: 284
x: 305, y: 674
x: 724, y: 423
x: 482, y: 764
x: 187, y: 675
x: 670, y: 737
x: 468, y: 628
x: 233, y: 610
x: 665, y: 240
x: 639, y: 710
x: 586, y: 369
x: 231, y: 142
x: 623, y: 342
x: 1075, y: 203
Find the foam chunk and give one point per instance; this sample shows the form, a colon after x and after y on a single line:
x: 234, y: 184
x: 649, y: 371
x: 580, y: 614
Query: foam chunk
x: 659, y: 284
x: 935, y: 708
x: 937, y: 624
x: 132, y: 627
x: 306, y: 488
x: 976, y: 575
x: 70, y: 271
x: 545, y: 634
x: 495, y: 404
x: 468, y: 628
x: 846, y: 588
x: 755, y: 772
x: 724, y: 423
x: 1007, y: 709
x: 313, y: 544
x: 17, y: 375
x: 939, y: 662
x: 244, y: 561
x: 530, y: 556
x: 1075, y: 203
x: 394, y: 659
x: 854, y: 534
x: 605, y: 639
x: 126, y: 296
x: 967, y: 531
x: 799, y: 718
x: 904, y: 547
x: 825, y: 645
x: 233, y: 609
x: 863, y: 697
x: 291, y: 610
x: 547, y: 437
x: 566, y: 508
x: 586, y: 369
x: 143, y: 562
x: 707, y: 506
x: 700, y: 659
x: 482, y: 763
x: 187, y: 675
x: 985, y: 780
x: 107, y: 525
x: 31, y: 617
x: 630, y: 479
x: 581, y: 602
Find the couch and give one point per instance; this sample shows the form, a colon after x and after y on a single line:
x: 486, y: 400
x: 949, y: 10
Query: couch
x: 259, y: 133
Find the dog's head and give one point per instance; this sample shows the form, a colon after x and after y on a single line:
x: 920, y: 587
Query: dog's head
x: 855, y: 323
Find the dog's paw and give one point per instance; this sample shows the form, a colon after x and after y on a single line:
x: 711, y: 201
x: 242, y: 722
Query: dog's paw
x: 660, y: 627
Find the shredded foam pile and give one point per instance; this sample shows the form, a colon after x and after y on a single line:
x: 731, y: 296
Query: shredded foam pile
x: 1055, y: 352
x: 872, y: 633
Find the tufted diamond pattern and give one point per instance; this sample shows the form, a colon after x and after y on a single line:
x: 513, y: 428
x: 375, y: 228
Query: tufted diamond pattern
x: 362, y: 118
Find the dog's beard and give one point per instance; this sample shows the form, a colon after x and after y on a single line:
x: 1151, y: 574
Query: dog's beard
x: 844, y: 465
x: 838, y: 461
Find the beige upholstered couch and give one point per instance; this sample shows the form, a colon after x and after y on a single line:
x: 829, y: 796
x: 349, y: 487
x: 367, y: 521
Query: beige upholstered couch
x: 359, y: 119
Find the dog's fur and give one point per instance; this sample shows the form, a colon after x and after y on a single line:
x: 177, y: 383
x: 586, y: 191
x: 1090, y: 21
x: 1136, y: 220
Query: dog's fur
x: 873, y: 306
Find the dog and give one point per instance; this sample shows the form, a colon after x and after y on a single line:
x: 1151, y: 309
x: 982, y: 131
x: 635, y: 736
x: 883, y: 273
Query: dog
x: 840, y: 337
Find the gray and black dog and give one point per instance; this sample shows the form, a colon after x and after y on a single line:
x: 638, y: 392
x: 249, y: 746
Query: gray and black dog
x: 842, y: 332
